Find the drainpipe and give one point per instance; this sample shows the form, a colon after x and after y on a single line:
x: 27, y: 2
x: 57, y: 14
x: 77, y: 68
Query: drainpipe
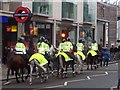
x: 54, y: 33
x: 109, y: 36
x: 78, y: 29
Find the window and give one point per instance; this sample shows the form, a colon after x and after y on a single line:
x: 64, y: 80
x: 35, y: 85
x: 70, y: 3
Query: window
x: 69, y: 10
x: 43, y: 7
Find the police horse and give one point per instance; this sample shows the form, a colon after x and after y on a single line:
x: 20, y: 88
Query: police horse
x: 92, y: 59
x: 16, y: 63
x: 80, y: 57
x: 38, y: 62
x: 63, y: 62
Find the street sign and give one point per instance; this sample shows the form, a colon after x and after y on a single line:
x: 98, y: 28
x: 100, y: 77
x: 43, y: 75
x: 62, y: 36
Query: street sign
x: 22, y: 14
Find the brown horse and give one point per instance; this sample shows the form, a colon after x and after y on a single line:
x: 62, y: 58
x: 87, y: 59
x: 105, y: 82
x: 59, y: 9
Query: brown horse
x: 16, y: 63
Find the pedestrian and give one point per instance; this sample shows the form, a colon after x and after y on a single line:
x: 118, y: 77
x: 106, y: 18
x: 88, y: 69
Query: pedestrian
x: 106, y: 56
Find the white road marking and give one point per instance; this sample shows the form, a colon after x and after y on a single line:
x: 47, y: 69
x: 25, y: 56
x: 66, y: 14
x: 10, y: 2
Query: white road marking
x: 112, y: 88
x: 97, y: 75
x: 88, y: 77
x: 77, y: 80
x: 55, y: 86
x: 65, y: 83
x: 106, y: 72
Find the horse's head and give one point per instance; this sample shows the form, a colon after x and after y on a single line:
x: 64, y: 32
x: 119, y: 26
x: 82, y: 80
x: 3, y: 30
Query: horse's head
x: 53, y: 50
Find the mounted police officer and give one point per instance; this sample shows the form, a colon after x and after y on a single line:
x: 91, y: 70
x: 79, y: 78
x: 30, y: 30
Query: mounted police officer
x: 94, y: 46
x: 80, y: 46
x: 68, y: 48
x: 20, y: 48
x: 41, y: 45
x: 43, y: 48
x: 61, y: 45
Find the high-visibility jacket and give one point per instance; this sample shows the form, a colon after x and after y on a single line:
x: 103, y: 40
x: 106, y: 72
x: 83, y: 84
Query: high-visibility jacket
x: 93, y: 53
x: 41, y: 47
x: 67, y: 58
x: 81, y: 54
x: 47, y: 48
x: 20, y: 48
x: 41, y: 59
x: 80, y: 46
x: 67, y: 46
x: 94, y: 46
x: 61, y: 46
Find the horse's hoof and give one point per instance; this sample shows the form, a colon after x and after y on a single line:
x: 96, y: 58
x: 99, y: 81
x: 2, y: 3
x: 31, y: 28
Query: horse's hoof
x: 30, y: 83
x: 73, y: 74
x: 7, y: 83
x: 37, y: 77
x: 18, y: 81
x: 23, y: 81
x: 81, y: 70
x: 26, y: 78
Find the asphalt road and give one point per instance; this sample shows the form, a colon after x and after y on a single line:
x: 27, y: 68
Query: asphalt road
x: 103, y: 77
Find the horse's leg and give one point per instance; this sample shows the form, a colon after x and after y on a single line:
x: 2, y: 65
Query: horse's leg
x: 66, y: 67
x: 73, y: 70
x: 91, y: 63
x: 22, y: 74
x: 8, y: 73
x: 31, y: 70
x: 28, y: 69
x: 87, y: 64
x: 16, y: 73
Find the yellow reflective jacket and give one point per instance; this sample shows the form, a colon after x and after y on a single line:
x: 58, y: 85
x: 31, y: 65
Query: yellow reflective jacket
x: 41, y: 59
x: 41, y: 47
x: 94, y: 46
x: 20, y: 48
x: 93, y: 53
x: 81, y: 54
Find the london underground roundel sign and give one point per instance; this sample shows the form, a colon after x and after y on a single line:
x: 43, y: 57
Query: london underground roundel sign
x: 22, y: 14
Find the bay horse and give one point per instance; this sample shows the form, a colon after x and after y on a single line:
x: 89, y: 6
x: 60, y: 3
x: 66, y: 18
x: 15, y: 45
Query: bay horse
x: 16, y: 63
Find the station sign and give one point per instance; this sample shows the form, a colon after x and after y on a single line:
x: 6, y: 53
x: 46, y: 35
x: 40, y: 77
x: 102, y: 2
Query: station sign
x: 22, y: 14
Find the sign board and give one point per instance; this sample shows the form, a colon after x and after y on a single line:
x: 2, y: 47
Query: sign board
x: 22, y: 14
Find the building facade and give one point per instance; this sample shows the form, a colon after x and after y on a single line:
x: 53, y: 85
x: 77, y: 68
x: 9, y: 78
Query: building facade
x: 106, y: 24
x: 51, y: 18
x: 118, y: 28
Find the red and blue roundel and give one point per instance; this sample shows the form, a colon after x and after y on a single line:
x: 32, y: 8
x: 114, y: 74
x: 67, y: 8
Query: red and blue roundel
x: 22, y: 14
